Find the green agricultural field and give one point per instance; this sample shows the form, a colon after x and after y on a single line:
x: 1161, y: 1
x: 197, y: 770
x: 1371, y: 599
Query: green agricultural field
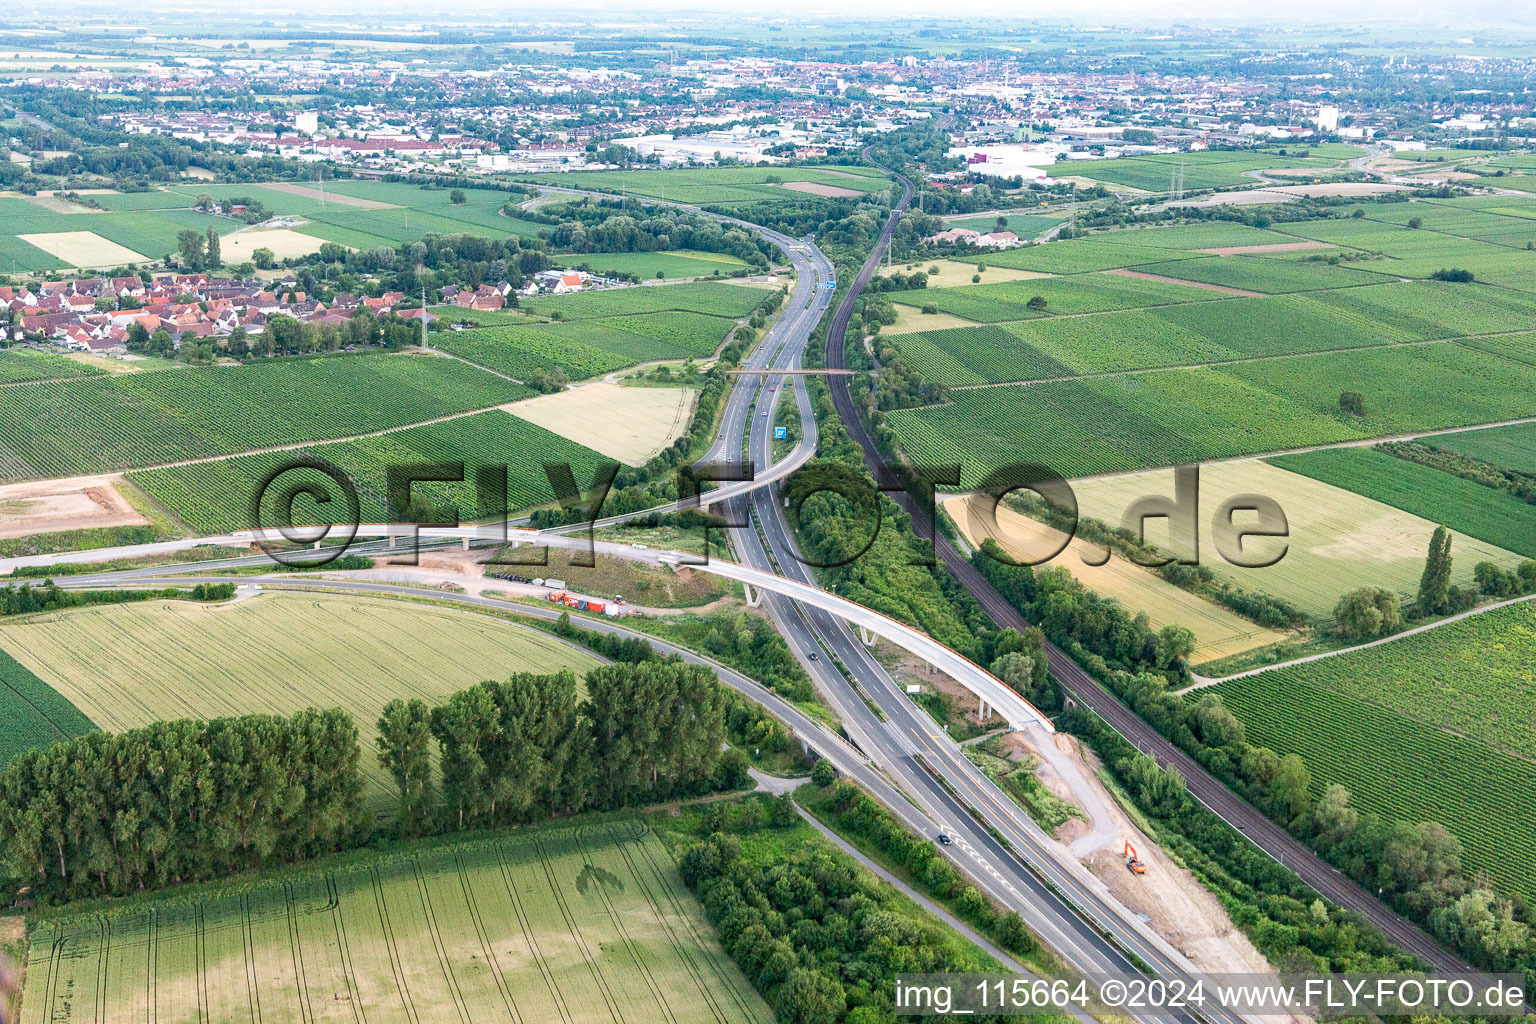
x: 21, y: 365
x: 1491, y: 515
x: 674, y: 335
x: 1435, y: 309
x: 1471, y: 677
x: 524, y: 349
x: 1209, y: 235
x: 647, y: 265
x: 1099, y: 425
x: 721, y: 186
x: 1025, y: 225
x: 582, y: 925
x: 1083, y: 293
x: 1175, y: 416
x: 1257, y: 274
x: 175, y: 198
x: 59, y: 428
x: 1512, y: 447
x: 1519, y: 347
x: 33, y: 714
x: 1055, y: 347
x: 215, y: 496
x: 1406, y: 388
x: 125, y: 666
x: 1280, y: 325
x: 976, y: 355
x: 731, y: 300
x: 587, y: 348
x: 482, y: 317
x: 1083, y: 255
x: 1396, y: 766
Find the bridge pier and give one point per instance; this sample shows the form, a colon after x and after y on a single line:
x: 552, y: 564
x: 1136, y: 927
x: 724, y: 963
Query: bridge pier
x: 754, y: 595
x: 981, y: 713
x: 867, y: 636
x: 466, y: 543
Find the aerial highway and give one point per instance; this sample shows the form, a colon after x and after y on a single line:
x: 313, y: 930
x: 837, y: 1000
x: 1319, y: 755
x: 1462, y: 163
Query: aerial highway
x: 1060, y: 900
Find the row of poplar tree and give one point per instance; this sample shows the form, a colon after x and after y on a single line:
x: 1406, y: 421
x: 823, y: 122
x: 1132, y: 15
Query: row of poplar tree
x: 530, y: 747
x: 110, y: 814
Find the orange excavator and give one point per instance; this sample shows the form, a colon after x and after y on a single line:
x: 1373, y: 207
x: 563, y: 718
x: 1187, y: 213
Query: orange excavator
x: 1132, y: 861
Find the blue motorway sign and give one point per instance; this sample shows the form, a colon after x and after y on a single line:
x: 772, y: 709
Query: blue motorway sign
x: 780, y: 432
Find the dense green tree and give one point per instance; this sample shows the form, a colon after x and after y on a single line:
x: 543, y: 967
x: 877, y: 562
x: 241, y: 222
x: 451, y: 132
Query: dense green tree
x: 1367, y: 611
x: 811, y: 996
x: 405, y: 751
x: 1435, y: 583
x: 109, y: 814
x: 190, y: 246
x: 823, y: 774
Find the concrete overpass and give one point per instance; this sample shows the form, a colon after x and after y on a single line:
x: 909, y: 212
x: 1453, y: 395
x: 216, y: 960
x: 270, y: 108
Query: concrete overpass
x: 993, y: 693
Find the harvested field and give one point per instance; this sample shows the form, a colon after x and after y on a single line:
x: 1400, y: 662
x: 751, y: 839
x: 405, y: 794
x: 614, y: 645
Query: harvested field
x: 1218, y: 632
x: 1338, y: 540
x: 125, y: 666
x: 55, y: 204
x: 1238, y: 250
x: 911, y: 318
x: 1138, y: 275
x: 83, y: 249
x: 816, y: 188
x: 631, y: 424
x: 53, y: 505
x: 960, y: 272
x: 580, y: 925
x: 239, y: 246
x: 311, y: 192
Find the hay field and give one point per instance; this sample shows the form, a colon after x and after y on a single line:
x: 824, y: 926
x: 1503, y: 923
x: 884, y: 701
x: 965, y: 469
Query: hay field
x: 816, y: 188
x: 631, y: 424
x: 1218, y: 632
x: 83, y: 249
x: 912, y: 318
x: 1338, y: 540
x: 284, y: 242
x: 960, y: 272
x: 125, y: 666
x: 576, y: 925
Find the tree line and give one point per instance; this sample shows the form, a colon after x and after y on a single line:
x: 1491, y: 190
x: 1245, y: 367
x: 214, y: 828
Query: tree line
x: 528, y: 748
x: 110, y: 814
x: 107, y: 815
x: 26, y: 598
